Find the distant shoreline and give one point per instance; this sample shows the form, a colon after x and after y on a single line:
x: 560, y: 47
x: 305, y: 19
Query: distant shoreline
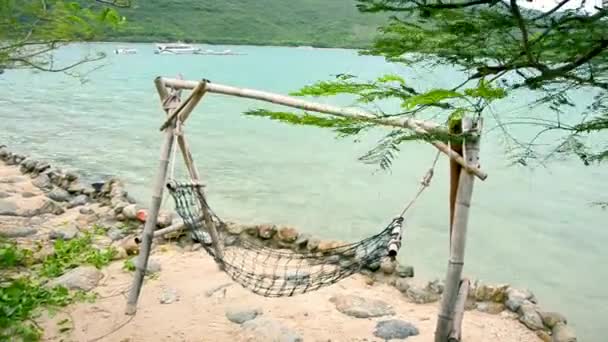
x: 316, y: 47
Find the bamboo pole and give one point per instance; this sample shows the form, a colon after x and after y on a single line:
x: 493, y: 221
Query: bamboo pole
x: 157, y: 193
x: 186, y: 107
x: 420, y: 126
x: 458, y: 237
x: 461, y: 300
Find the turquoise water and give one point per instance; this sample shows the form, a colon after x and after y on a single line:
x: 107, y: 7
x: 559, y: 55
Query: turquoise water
x: 532, y: 227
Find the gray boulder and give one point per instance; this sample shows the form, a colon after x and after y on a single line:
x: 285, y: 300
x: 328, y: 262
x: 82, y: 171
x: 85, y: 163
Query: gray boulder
x: 402, y: 285
x: 43, y: 182
x: 8, y: 208
x: 563, y: 333
x: 17, y: 232
x: 360, y: 307
x: 240, y: 316
x: 83, y: 278
x: 421, y: 295
x: 265, y: 329
x: 115, y: 234
x: 395, y: 329
x: 86, y: 211
x: 517, y: 297
x: 59, y: 195
x: 130, y: 211
x: 530, y: 317
x: 551, y: 319
x: 405, y: 271
x: 78, y: 201
x: 64, y: 233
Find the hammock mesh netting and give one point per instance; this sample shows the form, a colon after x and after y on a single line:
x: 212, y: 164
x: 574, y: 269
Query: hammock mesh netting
x: 277, y: 272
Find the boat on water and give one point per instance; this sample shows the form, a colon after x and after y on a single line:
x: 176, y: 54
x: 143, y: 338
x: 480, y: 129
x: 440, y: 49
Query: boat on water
x: 218, y: 53
x: 125, y: 51
x: 175, y: 49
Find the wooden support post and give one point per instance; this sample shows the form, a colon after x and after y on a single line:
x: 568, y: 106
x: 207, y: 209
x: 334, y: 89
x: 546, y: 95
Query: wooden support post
x: 461, y: 300
x: 157, y: 194
x: 458, y: 237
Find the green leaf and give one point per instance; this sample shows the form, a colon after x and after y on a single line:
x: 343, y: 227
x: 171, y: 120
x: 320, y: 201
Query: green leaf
x: 431, y: 97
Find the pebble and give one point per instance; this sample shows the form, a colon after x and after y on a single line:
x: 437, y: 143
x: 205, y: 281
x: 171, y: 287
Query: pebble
x: 168, y: 296
x: 361, y: 307
x: 83, y: 278
x: 405, y: 271
x: 240, y: 316
x: 59, y: 195
x: 395, y: 329
x: 265, y: 329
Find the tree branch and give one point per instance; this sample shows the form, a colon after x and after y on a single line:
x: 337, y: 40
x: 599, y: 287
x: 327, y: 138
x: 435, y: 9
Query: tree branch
x: 546, y: 14
x: 522, y: 28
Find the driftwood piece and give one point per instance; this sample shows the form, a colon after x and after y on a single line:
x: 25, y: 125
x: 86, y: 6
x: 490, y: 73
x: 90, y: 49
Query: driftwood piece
x: 458, y: 237
x: 461, y: 300
x: 419, y: 126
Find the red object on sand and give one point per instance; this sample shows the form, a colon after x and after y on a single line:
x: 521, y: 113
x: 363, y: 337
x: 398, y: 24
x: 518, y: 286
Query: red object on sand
x: 142, y: 215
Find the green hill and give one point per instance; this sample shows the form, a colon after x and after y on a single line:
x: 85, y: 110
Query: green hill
x: 321, y: 23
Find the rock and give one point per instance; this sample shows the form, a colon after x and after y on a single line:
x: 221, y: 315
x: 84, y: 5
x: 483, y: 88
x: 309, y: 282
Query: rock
x: 164, y: 219
x: 266, y: 231
x: 86, y: 211
x: 470, y: 304
x: 42, y: 166
x: 530, y: 317
x: 361, y: 307
x: 64, y: 233
x: 373, y: 266
x: 230, y: 240
x: 388, y: 266
x: 395, y: 329
x: 264, y: 329
x: 28, y: 194
x: 421, y: 295
x: 492, y: 308
x: 83, y: 278
x: 4, y: 194
x: 43, y: 253
x: 129, y: 244
x: 8, y: 208
x: 88, y: 190
x: 75, y: 188
x: 120, y: 217
x: 78, y: 201
x: 517, y: 297
x: 543, y: 335
x: 402, y: 285
x: 130, y: 212
x: 234, y: 228
x: 59, y: 195
x: 551, y: 319
x: 142, y: 215
x: 287, y: 234
x: 153, y: 266
x: 71, y: 176
x: 115, y: 234
x: 118, y: 204
x: 302, y: 240
x: 436, y: 286
x: 405, y: 271
x: 325, y: 246
x: 313, y: 244
x: 168, y: 296
x: 240, y: 316
x: 494, y: 293
x: 563, y: 333
x: 120, y: 254
x: 17, y: 232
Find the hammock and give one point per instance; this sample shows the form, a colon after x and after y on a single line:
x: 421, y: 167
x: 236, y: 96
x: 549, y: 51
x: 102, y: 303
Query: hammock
x: 273, y: 272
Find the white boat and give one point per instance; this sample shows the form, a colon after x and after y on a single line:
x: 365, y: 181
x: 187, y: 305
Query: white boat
x: 175, y: 49
x: 125, y: 51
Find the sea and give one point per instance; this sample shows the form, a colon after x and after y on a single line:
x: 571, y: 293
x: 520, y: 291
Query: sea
x: 532, y: 225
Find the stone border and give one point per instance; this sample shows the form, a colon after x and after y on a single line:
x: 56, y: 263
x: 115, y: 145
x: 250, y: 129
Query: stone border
x: 492, y: 299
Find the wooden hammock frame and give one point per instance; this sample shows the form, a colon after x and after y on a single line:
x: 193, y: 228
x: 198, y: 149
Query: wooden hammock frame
x: 178, y: 111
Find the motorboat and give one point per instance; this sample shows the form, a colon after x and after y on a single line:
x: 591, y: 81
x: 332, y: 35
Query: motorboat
x: 175, y: 49
x: 125, y: 51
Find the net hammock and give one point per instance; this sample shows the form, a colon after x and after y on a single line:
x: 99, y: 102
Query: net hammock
x: 279, y: 272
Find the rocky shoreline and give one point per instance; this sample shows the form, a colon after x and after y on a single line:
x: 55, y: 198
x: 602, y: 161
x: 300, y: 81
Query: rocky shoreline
x: 30, y: 213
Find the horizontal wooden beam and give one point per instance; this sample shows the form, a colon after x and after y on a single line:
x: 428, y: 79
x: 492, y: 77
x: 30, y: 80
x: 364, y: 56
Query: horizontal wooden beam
x: 419, y: 126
